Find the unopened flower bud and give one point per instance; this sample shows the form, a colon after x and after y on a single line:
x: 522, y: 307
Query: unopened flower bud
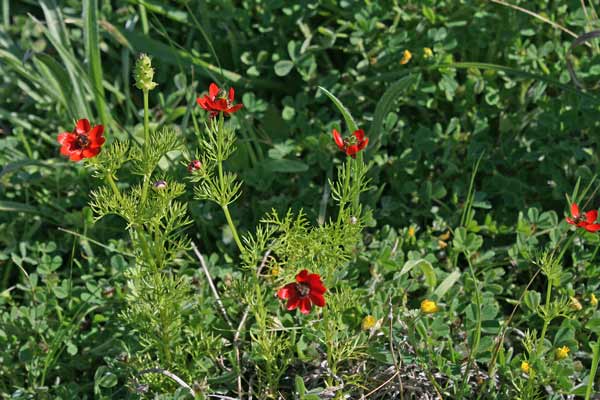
x: 144, y: 73
x: 194, y: 166
x: 160, y: 184
x: 353, y: 220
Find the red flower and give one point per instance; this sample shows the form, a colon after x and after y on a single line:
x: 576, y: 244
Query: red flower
x: 353, y: 144
x: 585, y: 221
x: 83, y: 142
x: 307, y: 289
x: 217, y: 100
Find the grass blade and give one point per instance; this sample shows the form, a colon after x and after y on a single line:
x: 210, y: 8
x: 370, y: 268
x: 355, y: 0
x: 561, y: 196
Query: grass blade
x: 345, y: 113
x: 385, y: 104
x: 92, y: 52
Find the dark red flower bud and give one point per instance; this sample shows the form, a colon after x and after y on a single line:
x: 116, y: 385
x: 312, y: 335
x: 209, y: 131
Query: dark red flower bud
x: 194, y: 166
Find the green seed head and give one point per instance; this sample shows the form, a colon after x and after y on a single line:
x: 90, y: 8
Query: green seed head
x: 144, y: 73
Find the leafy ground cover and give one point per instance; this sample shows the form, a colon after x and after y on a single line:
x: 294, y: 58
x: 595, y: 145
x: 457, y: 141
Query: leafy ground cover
x: 159, y: 241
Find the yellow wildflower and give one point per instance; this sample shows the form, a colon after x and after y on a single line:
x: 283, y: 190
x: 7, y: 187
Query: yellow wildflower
x: 411, y: 231
x: 427, y: 52
x: 406, y: 56
x: 275, y: 270
x: 593, y: 300
x: 575, y: 304
x: 368, y: 322
x: 525, y: 367
x: 429, y: 307
x: 562, y: 353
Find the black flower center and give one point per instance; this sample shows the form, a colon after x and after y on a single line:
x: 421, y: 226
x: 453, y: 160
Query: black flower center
x: 82, y: 141
x: 303, y: 289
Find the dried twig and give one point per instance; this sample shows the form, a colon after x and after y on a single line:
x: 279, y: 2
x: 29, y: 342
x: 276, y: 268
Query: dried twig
x: 168, y: 374
x: 221, y: 308
x: 213, y: 288
x: 396, y: 365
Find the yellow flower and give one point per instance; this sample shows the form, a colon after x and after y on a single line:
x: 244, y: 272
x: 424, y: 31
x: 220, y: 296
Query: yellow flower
x: 368, y: 322
x: 406, y: 56
x: 525, y: 368
x: 429, y: 307
x: 411, y: 231
x: 575, y: 304
x: 593, y: 300
x: 562, y: 353
x: 275, y: 270
x: 427, y: 52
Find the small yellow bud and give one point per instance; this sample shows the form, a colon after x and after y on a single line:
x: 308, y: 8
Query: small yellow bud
x: 562, y: 353
x: 406, y: 56
x: 593, y: 300
x: 427, y: 52
x: 525, y: 368
x: 411, y: 231
x: 575, y: 304
x: 429, y: 307
x: 368, y: 322
x: 275, y: 270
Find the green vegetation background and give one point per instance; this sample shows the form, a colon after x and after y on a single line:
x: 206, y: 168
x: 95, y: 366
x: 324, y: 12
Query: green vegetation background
x: 496, y: 87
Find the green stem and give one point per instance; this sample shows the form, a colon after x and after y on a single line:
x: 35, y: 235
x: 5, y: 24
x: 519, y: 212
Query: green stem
x: 146, y: 120
x: 343, y: 200
x: 113, y: 185
x: 592, y: 378
x: 477, y: 336
x: 232, y: 227
x: 146, y: 182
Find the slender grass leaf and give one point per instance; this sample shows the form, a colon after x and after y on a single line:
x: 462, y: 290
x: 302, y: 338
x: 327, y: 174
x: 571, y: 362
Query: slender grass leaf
x: 425, y: 267
x: 345, y: 113
x: 446, y: 284
x: 92, y: 52
x: 385, y: 104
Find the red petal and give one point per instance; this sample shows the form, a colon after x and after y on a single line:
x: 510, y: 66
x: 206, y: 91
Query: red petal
x: 305, y: 305
x: 570, y: 221
x: 65, y: 137
x: 95, y: 134
x: 213, y: 90
x: 302, y: 276
x: 352, y: 150
x: 592, y: 227
x: 315, y: 283
x: 338, y: 139
x: 293, y: 303
x: 234, y: 108
x: 231, y: 94
x: 90, y: 152
x: 75, y: 156
x: 83, y: 126
x: 363, y: 144
x: 591, y: 216
x: 288, y: 291
x: 318, y: 299
x: 359, y: 135
x: 574, y: 210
